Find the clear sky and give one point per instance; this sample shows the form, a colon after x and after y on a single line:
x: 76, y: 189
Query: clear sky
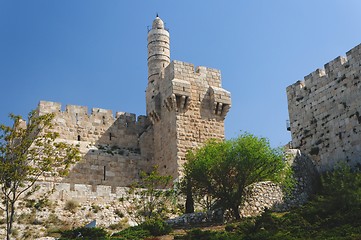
x: 94, y: 53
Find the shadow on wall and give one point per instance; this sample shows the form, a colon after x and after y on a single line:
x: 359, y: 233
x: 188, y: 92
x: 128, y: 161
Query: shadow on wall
x: 122, y: 150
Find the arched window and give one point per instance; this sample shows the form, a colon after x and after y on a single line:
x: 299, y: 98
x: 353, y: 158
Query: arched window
x: 78, y: 137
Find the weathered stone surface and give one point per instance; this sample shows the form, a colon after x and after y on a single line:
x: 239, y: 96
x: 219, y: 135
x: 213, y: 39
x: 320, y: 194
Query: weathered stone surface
x: 324, y: 111
x: 185, y: 107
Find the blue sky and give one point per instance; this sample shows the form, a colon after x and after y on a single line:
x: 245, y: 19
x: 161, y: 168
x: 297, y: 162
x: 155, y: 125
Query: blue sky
x: 94, y: 53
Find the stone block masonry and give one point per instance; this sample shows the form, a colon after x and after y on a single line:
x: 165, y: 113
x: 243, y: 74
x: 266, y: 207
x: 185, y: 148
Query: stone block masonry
x: 325, y: 112
x: 185, y: 107
x: 110, y: 145
x: 100, y: 126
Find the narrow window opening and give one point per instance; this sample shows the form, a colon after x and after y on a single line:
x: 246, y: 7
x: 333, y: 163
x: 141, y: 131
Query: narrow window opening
x: 103, y: 119
x: 76, y: 117
x: 78, y: 137
x: 165, y: 166
x: 199, y: 134
x: 105, y: 170
x: 110, y: 136
x: 184, y: 89
x: 199, y: 97
x: 126, y: 124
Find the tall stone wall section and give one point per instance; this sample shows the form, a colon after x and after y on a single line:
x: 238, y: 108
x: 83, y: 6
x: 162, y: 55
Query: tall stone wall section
x: 193, y: 108
x: 187, y: 106
x: 99, y: 126
x: 110, y: 145
x: 325, y: 112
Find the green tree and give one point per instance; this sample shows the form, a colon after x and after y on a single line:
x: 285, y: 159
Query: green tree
x: 150, y: 198
x: 27, y: 151
x: 223, y: 169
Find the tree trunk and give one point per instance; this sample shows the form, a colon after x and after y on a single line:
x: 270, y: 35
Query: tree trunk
x: 8, y: 225
x: 235, y: 210
x: 189, y: 200
x: 12, y: 212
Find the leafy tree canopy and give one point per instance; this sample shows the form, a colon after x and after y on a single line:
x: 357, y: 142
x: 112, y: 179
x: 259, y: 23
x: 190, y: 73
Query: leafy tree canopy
x: 223, y: 169
x: 27, y: 151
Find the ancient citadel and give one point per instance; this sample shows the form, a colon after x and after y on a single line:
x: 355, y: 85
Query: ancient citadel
x: 185, y: 107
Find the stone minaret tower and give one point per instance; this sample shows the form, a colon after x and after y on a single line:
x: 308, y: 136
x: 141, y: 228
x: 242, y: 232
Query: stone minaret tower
x: 158, y: 59
x: 186, y: 106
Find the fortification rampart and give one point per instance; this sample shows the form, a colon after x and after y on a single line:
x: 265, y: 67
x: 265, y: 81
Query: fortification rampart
x: 187, y: 71
x: 325, y: 109
x: 110, y: 145
x: 99, y: 126
x: 81, y: 192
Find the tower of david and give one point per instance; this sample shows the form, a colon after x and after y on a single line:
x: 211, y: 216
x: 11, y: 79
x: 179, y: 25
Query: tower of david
x: 185, y: 106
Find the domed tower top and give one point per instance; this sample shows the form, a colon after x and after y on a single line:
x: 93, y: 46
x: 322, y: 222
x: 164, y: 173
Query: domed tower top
x: 158, y: 23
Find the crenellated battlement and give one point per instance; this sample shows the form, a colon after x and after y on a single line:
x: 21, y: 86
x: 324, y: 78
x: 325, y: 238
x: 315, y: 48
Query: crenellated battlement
x: 82, y: 111
x: 99, y: 126
x: 187, y: 71
x: 324, y: 111
x: 333, y: 71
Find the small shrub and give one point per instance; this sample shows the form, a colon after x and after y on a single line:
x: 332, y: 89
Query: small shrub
x: 230, y: 227
x: 120, y: 225
x: 96, y: 208
x: 15, y: 232
x: 42, y: 203
x: 156, y: 227
x: 27, y: 218
x: 84, y: 233
x: 119, y: 213
x: 132, y: 233
x: 71, y: 206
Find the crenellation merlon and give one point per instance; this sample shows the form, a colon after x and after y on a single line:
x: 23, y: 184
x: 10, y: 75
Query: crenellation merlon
x: 337, y: 68
x: 76, y: 111
x: 336, y: 65
x: 185, y: 71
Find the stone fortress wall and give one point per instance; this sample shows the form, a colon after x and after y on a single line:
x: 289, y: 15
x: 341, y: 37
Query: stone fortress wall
x: 110, y: 145
x: 99, y: 126
x: 325, y: 112
x: 185, y: 107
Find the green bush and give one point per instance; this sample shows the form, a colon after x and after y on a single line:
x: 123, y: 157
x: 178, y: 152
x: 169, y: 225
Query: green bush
x: 156, y: 227
x: 132, y: 233
x: 71, y: 206
x: 84, y: 233
x: 152, y: 227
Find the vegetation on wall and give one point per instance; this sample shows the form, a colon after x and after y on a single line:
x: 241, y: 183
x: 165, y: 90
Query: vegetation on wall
x: 150, y: 198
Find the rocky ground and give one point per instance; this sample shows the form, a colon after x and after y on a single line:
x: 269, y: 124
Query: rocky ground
x: 44, y: 218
